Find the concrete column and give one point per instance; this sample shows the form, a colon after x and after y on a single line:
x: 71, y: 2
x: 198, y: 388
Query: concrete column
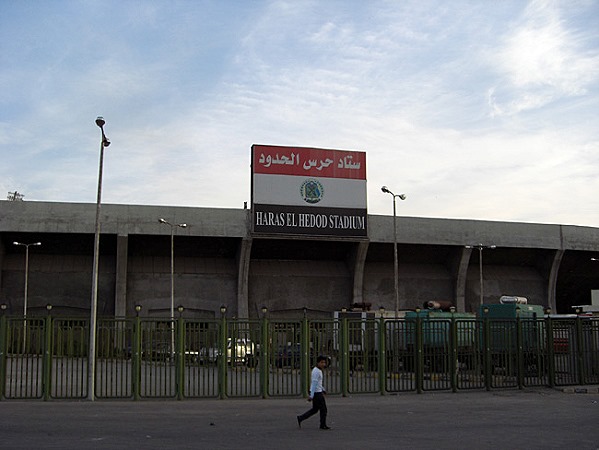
x: 461, y: 275
x: 243, y: 275
x: 358, y: 264
x: 122, y: 256
x: 552, y: 282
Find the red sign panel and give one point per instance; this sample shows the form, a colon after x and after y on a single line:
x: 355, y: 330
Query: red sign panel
x: 308, y: 191
x: 302, y: 161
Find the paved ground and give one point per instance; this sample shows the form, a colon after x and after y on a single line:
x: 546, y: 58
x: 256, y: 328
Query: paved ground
x: 511, y: 419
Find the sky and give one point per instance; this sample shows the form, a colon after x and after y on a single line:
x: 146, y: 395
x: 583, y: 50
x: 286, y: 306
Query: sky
x: 485, y: 110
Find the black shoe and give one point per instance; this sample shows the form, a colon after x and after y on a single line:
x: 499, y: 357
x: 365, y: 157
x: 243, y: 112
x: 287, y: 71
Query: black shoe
x: 325, y: 428
x: 299, y: 421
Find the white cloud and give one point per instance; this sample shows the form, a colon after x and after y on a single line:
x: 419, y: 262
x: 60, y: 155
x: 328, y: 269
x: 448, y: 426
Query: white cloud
x: 542, y: 60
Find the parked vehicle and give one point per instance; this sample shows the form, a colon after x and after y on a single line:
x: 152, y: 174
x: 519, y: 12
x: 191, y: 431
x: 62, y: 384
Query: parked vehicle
x: 239, y: 351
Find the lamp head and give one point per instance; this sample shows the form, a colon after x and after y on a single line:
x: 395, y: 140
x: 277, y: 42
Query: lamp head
x: 386, y: 190
x: 402, y: 196
x: 183, y: 225
x: 100, y: 121
x: 161, y: 220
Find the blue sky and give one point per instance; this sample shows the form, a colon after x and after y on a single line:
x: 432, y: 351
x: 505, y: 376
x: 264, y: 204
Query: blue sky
x: 475, y: 109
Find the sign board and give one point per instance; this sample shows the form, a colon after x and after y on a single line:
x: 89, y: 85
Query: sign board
x: 308, y: 191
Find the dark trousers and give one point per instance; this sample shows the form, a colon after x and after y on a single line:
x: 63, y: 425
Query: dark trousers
x: 318, y: 404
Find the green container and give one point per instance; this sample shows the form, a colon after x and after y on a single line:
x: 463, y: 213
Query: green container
x: 436, y: 328
x: 503, y: 326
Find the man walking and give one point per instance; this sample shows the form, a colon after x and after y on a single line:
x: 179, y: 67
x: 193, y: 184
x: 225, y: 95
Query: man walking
x: 317, y: 394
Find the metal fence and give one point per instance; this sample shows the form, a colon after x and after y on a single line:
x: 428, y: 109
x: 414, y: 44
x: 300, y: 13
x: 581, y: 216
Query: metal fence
x: 47, y: 358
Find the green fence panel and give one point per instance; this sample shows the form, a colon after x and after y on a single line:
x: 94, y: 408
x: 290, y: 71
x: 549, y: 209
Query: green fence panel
x: 503, y: 348
x: 401, y: 362
x: 535, y: 356
x: 3, y: 335
x: 24, y: 366
x: 565, y: 350
x: 284, y: 349
x: 158, y: 362
x: 590, y: 350
x: 324, y: 339
x: 202, y: 345
x: 68, y: 372
x: 362, y: 348
x: 114, y: 358
x: 242, y: 357
x: 470, y: 362
x: 436, y: 354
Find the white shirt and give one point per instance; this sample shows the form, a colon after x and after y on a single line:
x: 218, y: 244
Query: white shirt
x: 316, y: 385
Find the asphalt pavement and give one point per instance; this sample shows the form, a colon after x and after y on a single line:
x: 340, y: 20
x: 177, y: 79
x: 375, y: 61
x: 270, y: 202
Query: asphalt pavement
x: 509, y: 419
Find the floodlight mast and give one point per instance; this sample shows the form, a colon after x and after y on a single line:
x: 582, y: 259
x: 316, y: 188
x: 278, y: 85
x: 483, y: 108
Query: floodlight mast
x: 386, y: 190
x: 91, y: 380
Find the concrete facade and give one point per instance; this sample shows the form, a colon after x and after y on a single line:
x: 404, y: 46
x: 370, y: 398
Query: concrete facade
x: 219, y: 262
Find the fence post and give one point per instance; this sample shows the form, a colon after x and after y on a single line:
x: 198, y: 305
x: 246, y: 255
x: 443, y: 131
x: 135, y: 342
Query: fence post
x: 136, y: 357
x: 180, y: 361
x: 453, y: 367
x: 382, y: 355
x: 3, y: 333
x: 419, y: 357
x: 344, y: 357
x: 550, y: 349
x: 579, y: 348
x: 519, y: 349
x: 47, y: 367
x: 487, y: 349
x: 222, y: 356
x: 264, y: 355
x: 305, y: 355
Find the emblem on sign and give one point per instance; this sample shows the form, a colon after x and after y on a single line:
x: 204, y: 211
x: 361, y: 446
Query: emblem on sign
x: 312, y: 191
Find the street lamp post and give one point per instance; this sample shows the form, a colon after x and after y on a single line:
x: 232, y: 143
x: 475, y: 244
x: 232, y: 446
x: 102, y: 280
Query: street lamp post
x: 172, y: 226
x: 395, y: 261
x: 480, y: 248
x: 94, y: 302
x: 34, y: 244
